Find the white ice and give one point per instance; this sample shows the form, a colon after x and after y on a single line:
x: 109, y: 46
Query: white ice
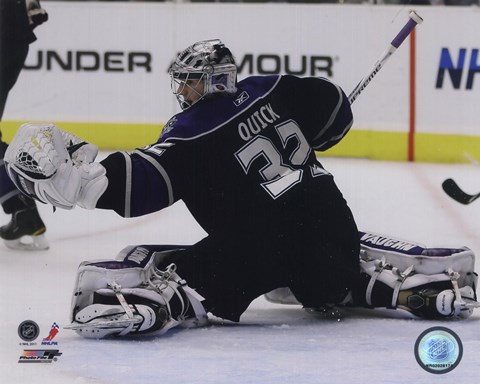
x: 273, y: 343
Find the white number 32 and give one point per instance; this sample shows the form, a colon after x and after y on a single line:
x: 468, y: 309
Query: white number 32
x: 278, y: 173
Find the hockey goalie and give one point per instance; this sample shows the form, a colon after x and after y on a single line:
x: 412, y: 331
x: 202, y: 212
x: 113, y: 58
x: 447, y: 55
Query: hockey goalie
x: 242, y: 157
x: 149, y: 289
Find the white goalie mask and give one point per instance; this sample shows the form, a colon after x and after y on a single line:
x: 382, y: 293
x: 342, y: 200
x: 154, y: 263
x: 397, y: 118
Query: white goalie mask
x: 205, y: 68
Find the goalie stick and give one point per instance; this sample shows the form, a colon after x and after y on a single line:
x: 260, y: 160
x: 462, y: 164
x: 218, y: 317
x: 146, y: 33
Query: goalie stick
x: 452, y: 189
x: 414, y: 20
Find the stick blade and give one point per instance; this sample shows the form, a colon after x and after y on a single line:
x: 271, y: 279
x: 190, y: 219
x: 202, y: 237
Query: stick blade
x: 452, y: 189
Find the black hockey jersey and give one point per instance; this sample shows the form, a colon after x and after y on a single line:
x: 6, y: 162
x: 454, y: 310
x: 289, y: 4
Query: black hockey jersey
x: 237, y: 161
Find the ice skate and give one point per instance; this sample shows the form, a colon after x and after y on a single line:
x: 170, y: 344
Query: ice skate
x: 25, y: 231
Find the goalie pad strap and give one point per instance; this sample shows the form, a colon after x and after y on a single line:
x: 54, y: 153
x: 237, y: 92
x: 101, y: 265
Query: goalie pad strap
x: 121, y: 299
x: 398, y: 285
x: 196, y: 302
x: 371, y: 283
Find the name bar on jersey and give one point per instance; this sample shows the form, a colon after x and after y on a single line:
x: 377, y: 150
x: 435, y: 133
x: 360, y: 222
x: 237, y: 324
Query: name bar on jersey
x: 257, y: 121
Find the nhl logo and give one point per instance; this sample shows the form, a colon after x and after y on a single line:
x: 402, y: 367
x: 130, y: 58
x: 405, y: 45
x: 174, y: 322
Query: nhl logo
x: 28, y: 330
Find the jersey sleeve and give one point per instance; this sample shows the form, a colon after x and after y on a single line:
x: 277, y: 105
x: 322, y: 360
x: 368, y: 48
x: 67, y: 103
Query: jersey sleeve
x: 137, y: 184
x: 340, y: 118
x: 329, y: 116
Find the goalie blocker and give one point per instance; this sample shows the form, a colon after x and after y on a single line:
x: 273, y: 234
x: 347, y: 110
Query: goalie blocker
x: 431, y: 283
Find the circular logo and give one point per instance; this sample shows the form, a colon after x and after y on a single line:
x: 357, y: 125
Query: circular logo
x: 28, y: 330
x: 438, y: 350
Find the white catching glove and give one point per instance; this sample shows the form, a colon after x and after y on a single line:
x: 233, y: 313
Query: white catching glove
x: 39, y: 163
x: 80, y: 151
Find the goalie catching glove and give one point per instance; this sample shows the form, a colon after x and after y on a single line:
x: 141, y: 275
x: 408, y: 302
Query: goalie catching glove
x: 55, y: 167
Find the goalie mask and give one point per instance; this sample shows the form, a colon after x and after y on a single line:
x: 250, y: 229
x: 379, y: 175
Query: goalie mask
x: 205, y: 68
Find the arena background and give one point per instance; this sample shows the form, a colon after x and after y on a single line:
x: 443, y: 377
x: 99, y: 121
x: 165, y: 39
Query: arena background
x: 99, y: 69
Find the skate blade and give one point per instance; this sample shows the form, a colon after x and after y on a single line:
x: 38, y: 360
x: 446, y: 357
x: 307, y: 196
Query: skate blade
x: 28, y: 243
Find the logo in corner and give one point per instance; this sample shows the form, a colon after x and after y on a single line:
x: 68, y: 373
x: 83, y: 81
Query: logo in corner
x: 28, y: 330
x: 39, y: 356
x: 438, y: 350
x: 53, y: 332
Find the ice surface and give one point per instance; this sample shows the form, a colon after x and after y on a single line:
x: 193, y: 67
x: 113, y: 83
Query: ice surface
x: 273, y: 343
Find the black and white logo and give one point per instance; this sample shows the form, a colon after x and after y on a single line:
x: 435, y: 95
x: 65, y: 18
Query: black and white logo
x: 28, y: 330
x: 244, y: 96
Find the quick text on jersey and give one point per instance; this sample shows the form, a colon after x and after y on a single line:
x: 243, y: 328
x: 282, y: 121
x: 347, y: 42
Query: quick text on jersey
x: 257, y: 121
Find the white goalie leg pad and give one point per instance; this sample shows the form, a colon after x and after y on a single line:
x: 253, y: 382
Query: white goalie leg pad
x: 111, y: 299
x: 403, y: 265
x: 404, y: 254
